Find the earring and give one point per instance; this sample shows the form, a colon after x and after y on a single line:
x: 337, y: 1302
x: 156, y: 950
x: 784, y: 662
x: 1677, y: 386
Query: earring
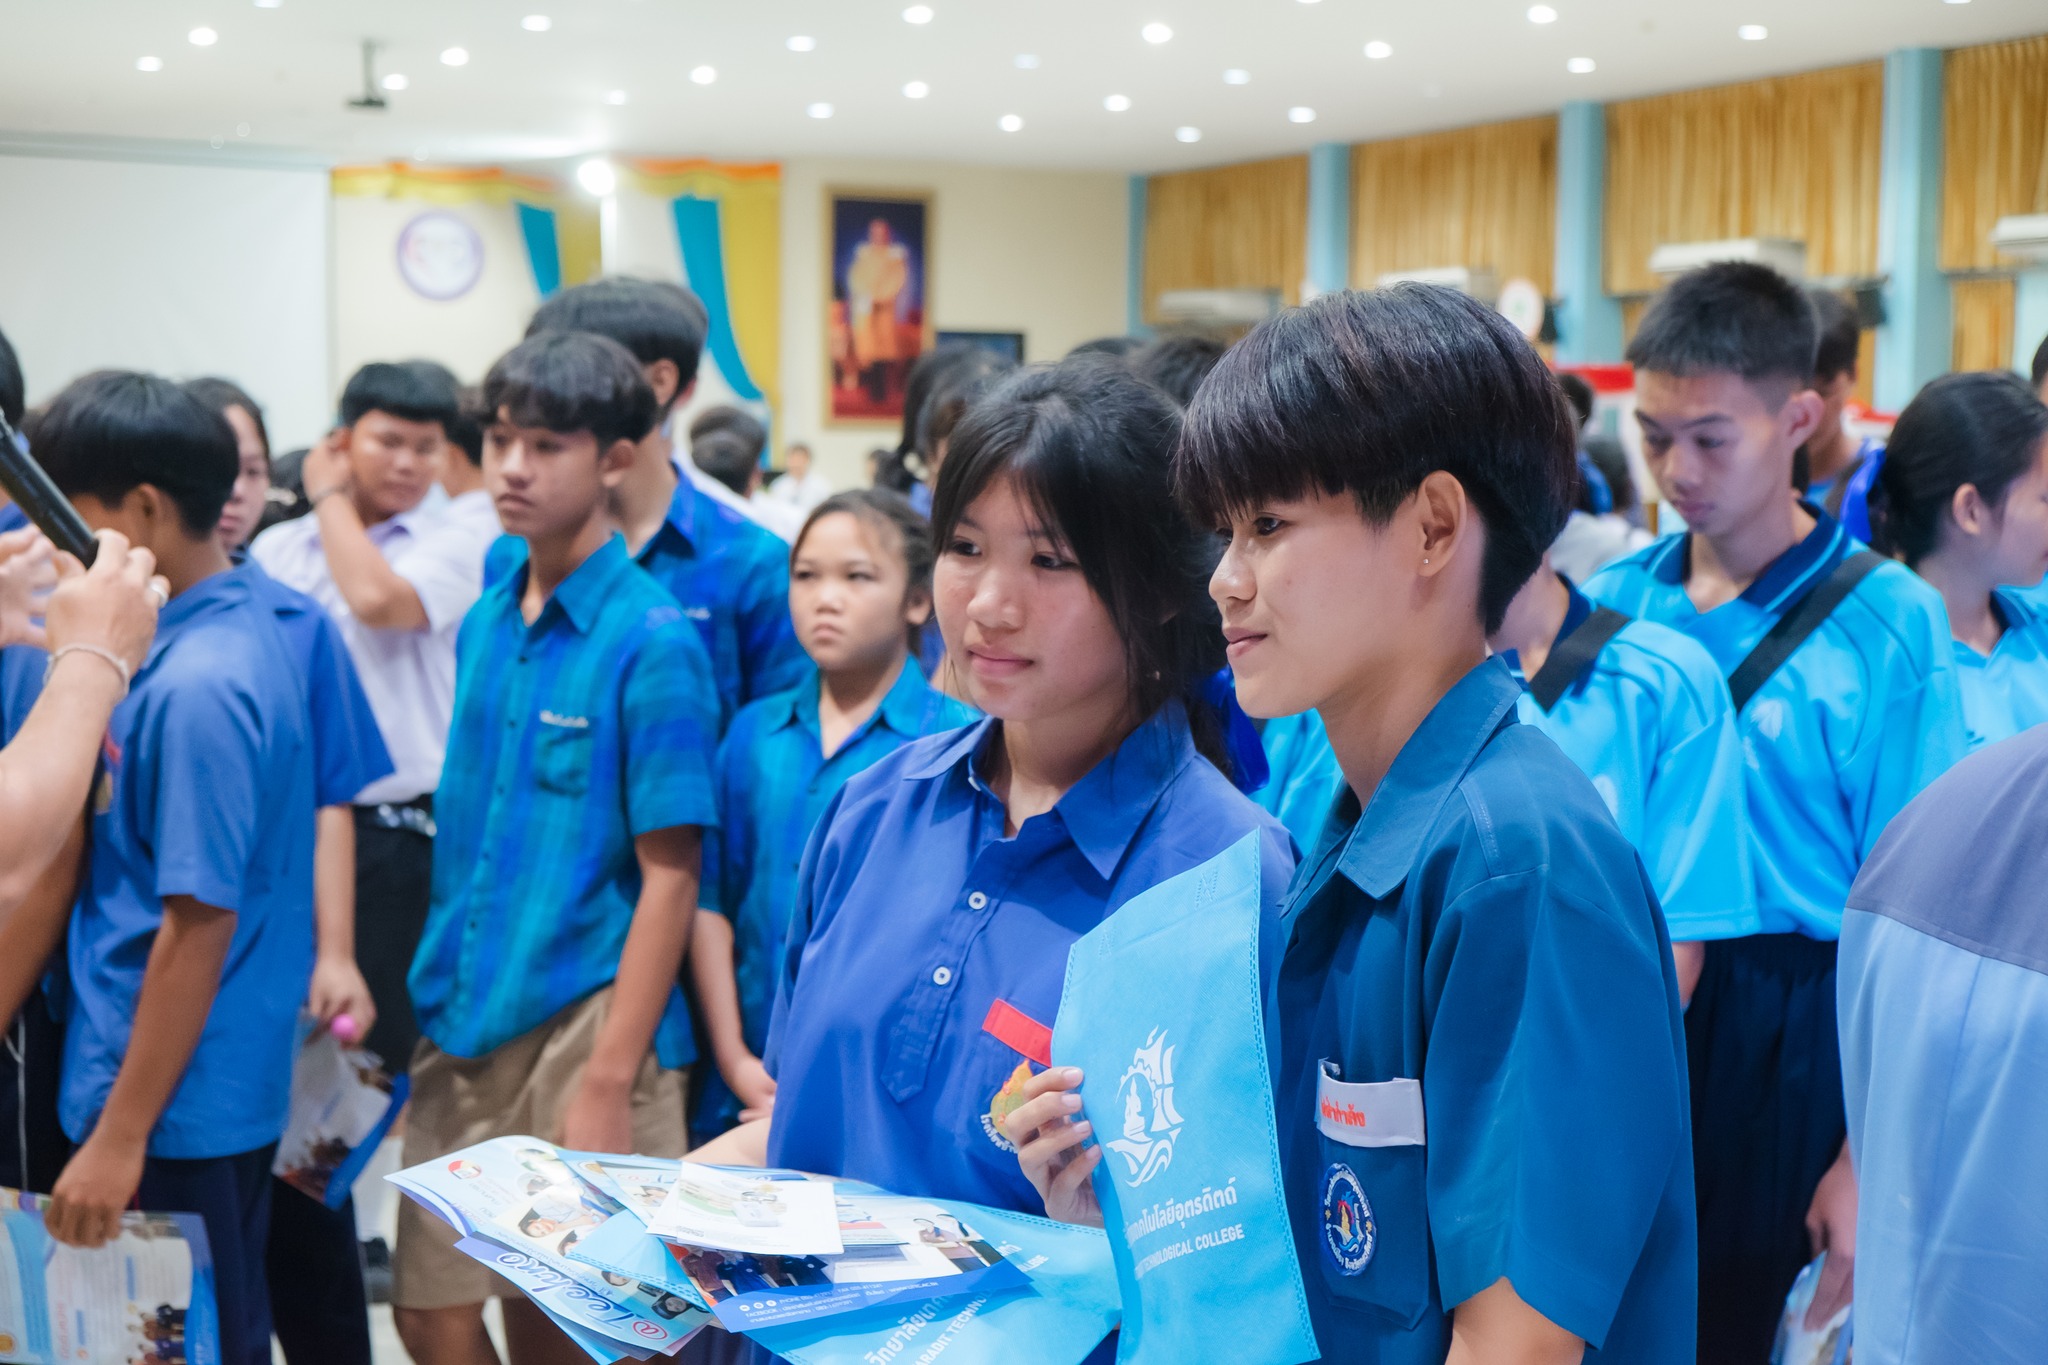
x: 1425, y: 561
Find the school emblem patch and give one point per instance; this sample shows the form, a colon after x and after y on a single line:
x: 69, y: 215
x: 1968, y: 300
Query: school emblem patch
x: 1150, y: 1122
x: 1004, y: 1103
x: 1350, y: 1236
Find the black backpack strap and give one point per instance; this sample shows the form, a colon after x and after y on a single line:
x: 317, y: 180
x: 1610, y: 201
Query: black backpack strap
x: 1795, y: 625
x: 1569, y: 657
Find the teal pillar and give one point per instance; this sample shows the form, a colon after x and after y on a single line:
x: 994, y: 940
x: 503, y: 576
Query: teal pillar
x: 1329, y: 219
x: 1588, y: 321
x: 1134, y: 271
x: 1913, y: 342
x: 2029, y: 316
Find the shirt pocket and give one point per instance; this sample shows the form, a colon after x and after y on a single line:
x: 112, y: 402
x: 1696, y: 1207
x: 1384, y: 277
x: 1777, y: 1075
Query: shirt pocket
x: 561, y: 759
x: 1373, y: 1210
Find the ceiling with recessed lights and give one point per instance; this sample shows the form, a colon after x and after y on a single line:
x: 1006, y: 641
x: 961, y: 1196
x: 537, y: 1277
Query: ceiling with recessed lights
x: 1131, y: 85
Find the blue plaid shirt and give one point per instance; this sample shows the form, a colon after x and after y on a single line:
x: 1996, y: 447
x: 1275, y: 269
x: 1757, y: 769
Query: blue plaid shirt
x: 732, y: 578
x: 572, y: 736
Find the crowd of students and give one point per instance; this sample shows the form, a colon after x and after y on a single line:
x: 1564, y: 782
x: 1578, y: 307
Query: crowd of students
x: 625, y: 802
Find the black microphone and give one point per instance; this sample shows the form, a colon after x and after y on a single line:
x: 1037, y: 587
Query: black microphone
x: 52, y: 512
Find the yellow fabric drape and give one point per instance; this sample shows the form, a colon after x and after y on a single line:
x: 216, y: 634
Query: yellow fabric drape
x: 1994, y: 146
x: 1982, y: 331
x: 1231, y: 227
x: 445, y: 185
x: 1790, y: 156
x: 1483, y: 198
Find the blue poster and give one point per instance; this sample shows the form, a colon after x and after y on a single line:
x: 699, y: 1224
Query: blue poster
x: 1163, y: 1013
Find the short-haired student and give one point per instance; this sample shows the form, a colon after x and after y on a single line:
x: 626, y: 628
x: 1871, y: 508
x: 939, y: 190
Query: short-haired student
x: 860, y: 592
x: 944, y: 886
x: 1842, y: 676
x: 1963, y: 501
x: 577, y: 782
x: 1474, y: 957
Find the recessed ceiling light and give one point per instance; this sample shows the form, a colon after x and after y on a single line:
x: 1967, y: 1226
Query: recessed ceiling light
x: 1237, y: 75
x: 1378, y: 50
x: 1958, y: 2
x: 202, y: 37
x: 455, y: 56
x: 536, y: 23
x: 395, y: 81
x: 1026, y: 61
x: 918, y: 14
x: 1580, y: 66
x: 1155, y: 33
x: 802, y: 42
x: 915, y: 90
x: 1187, y: 134
x: 1116, y: 104
x: 1010, y: 123
x: 598, y: 176
x: 149, y: 63
x: 268, y: 4
x: 1542, y: 14
x: 1301, y: 113
x: 614, y: 97
x: 703, y: 75
x: 1752, y: 33
x: 819, y: 110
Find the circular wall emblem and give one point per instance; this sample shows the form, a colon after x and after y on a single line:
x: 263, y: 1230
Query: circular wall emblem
x: 1349, y: 1234
x: 440, y: 257
x: 1521, y: 302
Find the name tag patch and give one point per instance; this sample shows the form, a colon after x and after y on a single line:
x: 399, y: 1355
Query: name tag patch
x: 565, y: 722
x: 1350, y: 1237
x: 1368, y: 1114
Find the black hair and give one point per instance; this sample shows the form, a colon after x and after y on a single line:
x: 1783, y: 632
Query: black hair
x: 222, y: 394
x: 1732, y: 317
x: 741, y: 423
x: 1838, y: 330
x: 414, y: 391
x: 1090, y: 448
x: 1370, y: 392
x: 569, y: 382
x: 924, y: 375
x: 2040, y: 370
x: 1983, y: 428
x: 1612, y: 462
x: 891, y: 471
x: 13, y: 388
x: 653, y: 319
x: 727, y: 456
x: 1111, y: 346
x: 1578, y: 393
x: 110, y: 432
x: 1177, y: 365
x: 954, y: 389
x: 466, y: 432
x: 887, y: 514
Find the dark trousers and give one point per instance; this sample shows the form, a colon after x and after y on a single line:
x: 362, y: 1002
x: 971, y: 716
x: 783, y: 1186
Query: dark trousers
x: 317, y: 1303
x: 232, y: 1195
x: 33, y: 1148
x: 1767, y: 1122
x: 394, y: 884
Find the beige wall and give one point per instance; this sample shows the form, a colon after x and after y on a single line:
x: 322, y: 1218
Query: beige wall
x: 1039, y: 252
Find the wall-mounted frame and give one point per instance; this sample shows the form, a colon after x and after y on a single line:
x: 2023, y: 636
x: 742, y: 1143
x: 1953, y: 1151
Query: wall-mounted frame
x: 877, y: 301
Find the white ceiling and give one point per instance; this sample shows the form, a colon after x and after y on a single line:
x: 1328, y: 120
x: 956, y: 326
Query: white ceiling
x: 278, y: 77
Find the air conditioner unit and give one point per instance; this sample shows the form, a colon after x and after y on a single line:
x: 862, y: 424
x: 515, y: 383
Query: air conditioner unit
x: 2022, y: 234
x: 1217, y: 307
x: 1481, y: 284
x: 1781, y: 254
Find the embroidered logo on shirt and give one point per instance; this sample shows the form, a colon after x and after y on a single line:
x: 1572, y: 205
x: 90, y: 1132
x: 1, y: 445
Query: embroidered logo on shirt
x: 697, y: 613
x: 566, y: 722
x: 1350, y: 1236
x: 1004, y: 1103
x: 1151, y: 1123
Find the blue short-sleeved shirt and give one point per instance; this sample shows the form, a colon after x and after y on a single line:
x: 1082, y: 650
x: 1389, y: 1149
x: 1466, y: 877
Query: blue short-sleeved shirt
x: 915, y: 915
x: 1856, y: 722
x: 1303, y: 780
x: 732, y: 578
x: 2008, y: 691
x: 207, y: 791
x: 1650, y: 721
x: 1486, y: 932
x: 1854, y: 513
x: 774, y: 781
x: 1943, y: 1007
x: 572, y: 737
x: 348, y: 748
x: 12, y: 518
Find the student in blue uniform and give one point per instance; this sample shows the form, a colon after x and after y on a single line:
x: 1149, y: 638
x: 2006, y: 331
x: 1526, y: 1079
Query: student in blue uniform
x: 1963, y: 500
x: 1645, y: 713
x: 861, y: 595
x: 945, y: 885
x: 1842, y: 676
x: 1832, y: 459
x: 1302, y: 776
x: 1475, y: 959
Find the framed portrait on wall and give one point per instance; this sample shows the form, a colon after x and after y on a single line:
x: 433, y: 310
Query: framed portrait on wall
x: 877, y: 306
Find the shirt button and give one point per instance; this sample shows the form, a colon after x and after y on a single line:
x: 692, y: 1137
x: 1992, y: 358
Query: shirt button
x: 941, y: 975
x: 977, y: 901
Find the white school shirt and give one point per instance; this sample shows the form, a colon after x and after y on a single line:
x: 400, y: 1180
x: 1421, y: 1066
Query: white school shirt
x: 409, y: 675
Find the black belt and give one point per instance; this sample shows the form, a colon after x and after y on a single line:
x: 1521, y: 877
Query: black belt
x: 416, y: 815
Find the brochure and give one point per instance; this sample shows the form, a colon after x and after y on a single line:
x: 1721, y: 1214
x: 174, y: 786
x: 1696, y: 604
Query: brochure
x: 748, y: 1212
x: 343, y: 1103
x: 145, y: 1298
x: 1797, y: 1344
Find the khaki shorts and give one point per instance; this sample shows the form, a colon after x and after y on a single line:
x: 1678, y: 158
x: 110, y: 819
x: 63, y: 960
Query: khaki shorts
x: 520, y: 1088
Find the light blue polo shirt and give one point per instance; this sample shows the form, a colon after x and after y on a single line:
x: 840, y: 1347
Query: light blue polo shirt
x: 1866, y: 713
x: 2007, y: 692
x: 1943, y: 1009
x: 1649, y: 720
x: 207, y: 791
x: 1303, y: 780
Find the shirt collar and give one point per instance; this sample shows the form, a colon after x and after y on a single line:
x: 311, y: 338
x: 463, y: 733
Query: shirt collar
x: 1387, y: 840
x: 204, y: 598
x: 902, y: 709
x: 681, y: 517
x: 582, y: 595
x: 1786, y: 577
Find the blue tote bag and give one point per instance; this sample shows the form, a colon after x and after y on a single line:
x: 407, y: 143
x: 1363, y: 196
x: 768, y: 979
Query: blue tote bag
x: 1163, y: 1012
